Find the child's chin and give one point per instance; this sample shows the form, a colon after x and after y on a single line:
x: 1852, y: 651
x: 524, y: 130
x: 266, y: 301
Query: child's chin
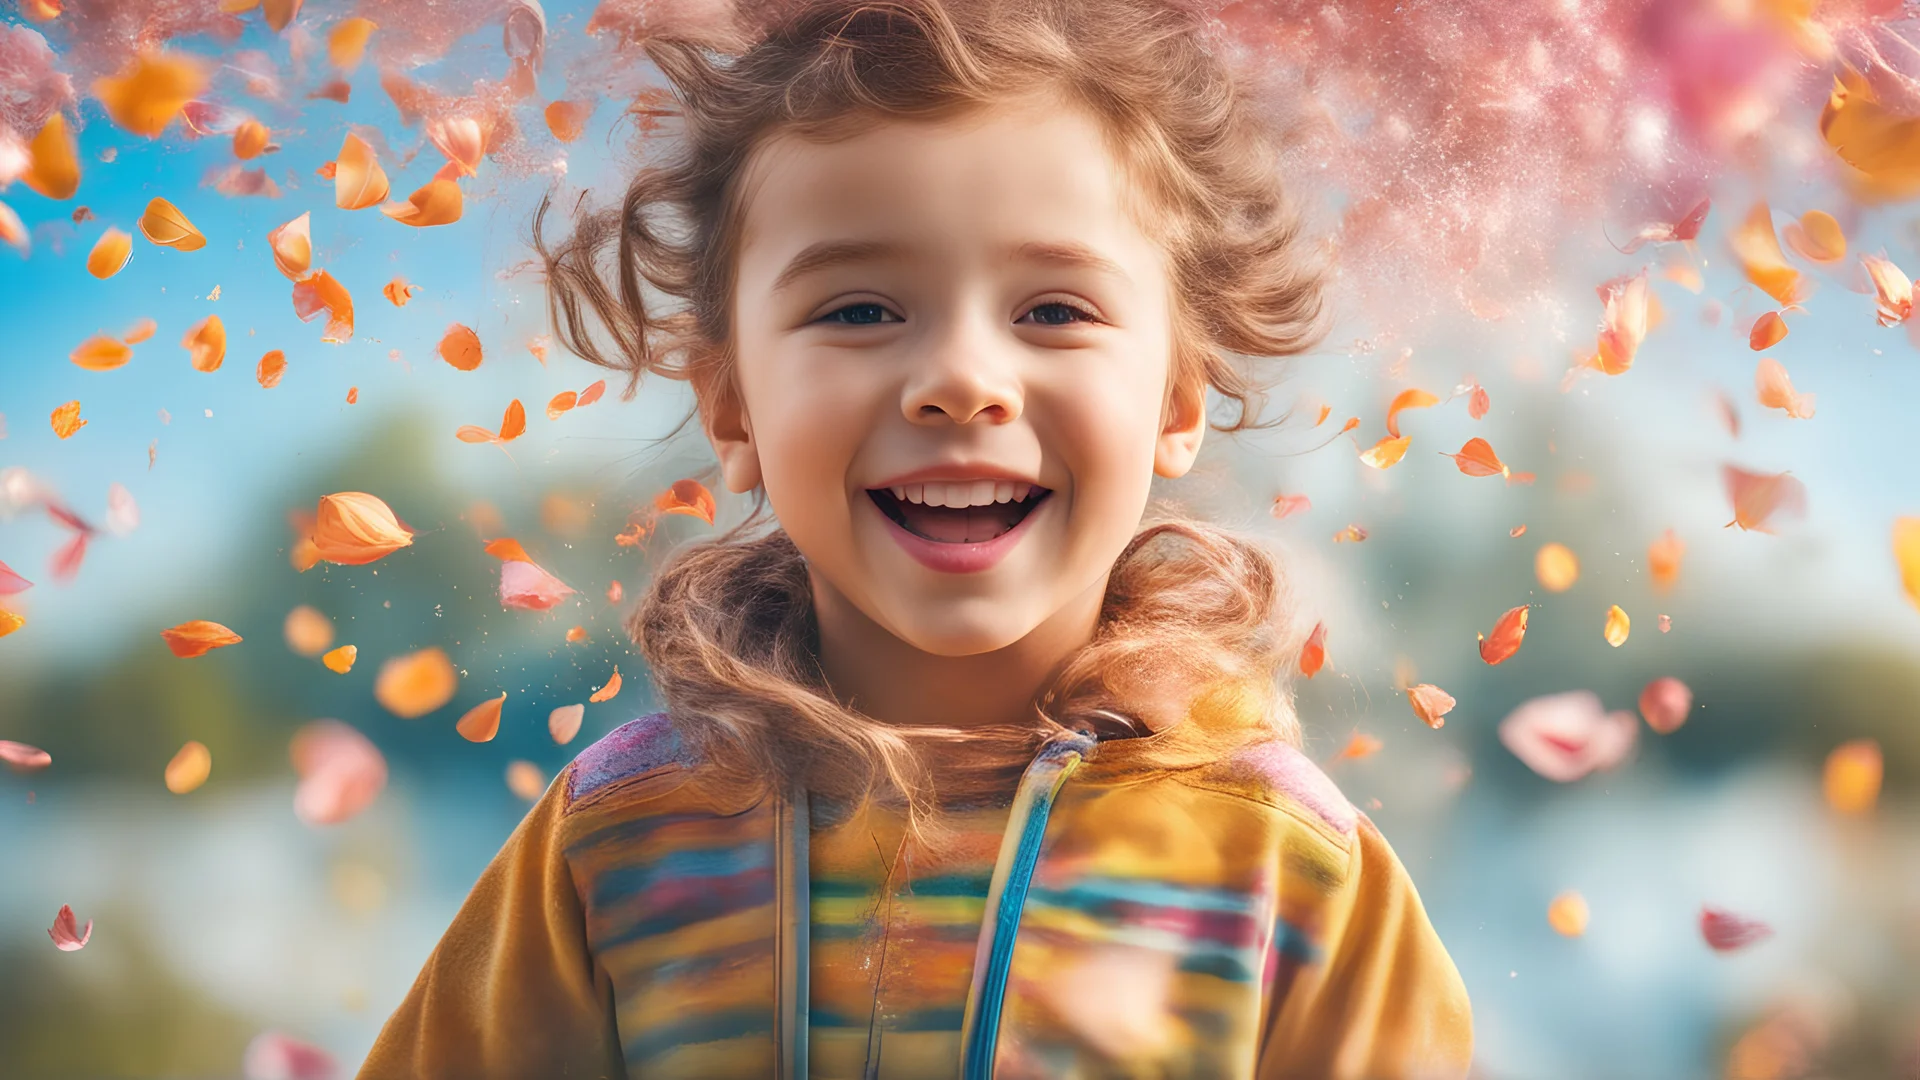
x: 962, y: 627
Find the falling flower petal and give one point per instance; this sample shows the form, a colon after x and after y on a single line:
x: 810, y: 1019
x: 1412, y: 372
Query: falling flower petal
x: 271, y: 367
x: 1285, y: 506
x: 1816, y: 237
x: 353, y: 395
x: 1385, y: 453
x: 354, y: 528
x: 22, y: 758
x: 526, y: 586
x: 1756, y: 497
x: 308, y: 632
x: 206, y: 343
x: 53, y: 161
x: 123, y: 514
x: 1556, y: 566
x: 460, y: 348
x: 340, y: 771
x: 525, y: 780
x: 12, y: 583
x: 1314, y: 653
x: 399, y: 292
x: 319, y: 291
x: 1352, y: 534
x: 462, y: 139
x: 1768, y: 330
x: 1623, y: 324
x: 563, y: 723
x: 101, y: 353
x: 1906, y: 556
x: 1479, y: 403
x: 1665, y: 624
x: 358, y: 180
x: 1563, y: 737
x: 438, y: 203
x: 110, y: 253
x: 292, y: 246
x: 559, y: 404
x: 507, y: 549
x: 250, y: 139
x: 591, y: 394
x: 273, y: 1056
x: 348, y: 42
x: 66, y: 933
x: 146, y: 96
x: 340, y: 660
x: 1477, y: 458
x: 1430, y: 703
x: 1359, y: 745
x: 10, y: 621
x: 416, y: 684
x: 1724, y: 931
x: 1687, y: 228
x: 512, y: 425
x: 189, y: 768
x: 165, y: 225
x: 198, y: 637
x: 1881, y: 146
x: 1664, y: 704
x: 1775, y: 390
x: 1852, y: 776
x: 577, y: 635
x: 1663, y: 560
x: 567, y: 119
x: 615, y: 593
x: 606, y: 693
x: 1617, y: 626
x: 1893, y: 291
x: 1406, y: 399
x: 1567, y: 914
x: 482, y: 722
x: 140, y: 331
x: 14, y: 231
x: 66, y: 419
x: 689, y: 497
x: 1758, y: 252
x: 1508, y: 632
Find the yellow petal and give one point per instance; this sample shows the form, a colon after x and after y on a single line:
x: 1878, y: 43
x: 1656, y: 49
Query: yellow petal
x: 1852, y: 778
x: 164, y: 224
x: 1557, y: 567
x: 1386, y: 452
x: 189, y: 768
x: 110, y: 253
x: 146, y: 96
x: 358, y: 180
x: 1906, y: 555
x: 1617, y: 626
x: 348, y: 42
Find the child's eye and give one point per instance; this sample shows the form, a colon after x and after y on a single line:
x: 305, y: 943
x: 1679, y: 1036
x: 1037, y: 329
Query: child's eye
x: 1061, y: 313
x: 865, y: 314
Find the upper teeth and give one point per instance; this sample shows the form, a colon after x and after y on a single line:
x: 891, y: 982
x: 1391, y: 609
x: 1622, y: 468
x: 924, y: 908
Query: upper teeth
x: 968, y: 493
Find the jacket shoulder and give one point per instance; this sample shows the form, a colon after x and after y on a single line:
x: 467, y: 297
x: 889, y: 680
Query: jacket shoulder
x: 635, y: 749
x: 1277, y: 774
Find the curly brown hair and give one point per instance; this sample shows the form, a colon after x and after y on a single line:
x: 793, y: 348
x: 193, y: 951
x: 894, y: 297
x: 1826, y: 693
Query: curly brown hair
x: 647, y: 288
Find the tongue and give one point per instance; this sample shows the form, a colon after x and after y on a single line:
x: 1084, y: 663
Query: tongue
x: 961, y: 525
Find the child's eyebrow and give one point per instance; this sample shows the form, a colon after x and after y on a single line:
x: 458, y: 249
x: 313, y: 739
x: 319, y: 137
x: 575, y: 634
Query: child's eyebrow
x: 828, y: 253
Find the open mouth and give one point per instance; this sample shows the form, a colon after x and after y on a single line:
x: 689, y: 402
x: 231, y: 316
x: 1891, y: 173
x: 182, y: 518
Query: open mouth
x: 968, y: 512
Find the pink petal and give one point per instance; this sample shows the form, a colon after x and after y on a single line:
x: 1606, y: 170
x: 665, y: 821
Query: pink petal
x: 341, y: 772
x: 65, y: 932
x: 273, y: 1056
x: 11, y: 582
x: 524, y: 585
x: 1563, y: 737
x: 123, y: 514
x: 1725, y: 931
x: 23, y: 758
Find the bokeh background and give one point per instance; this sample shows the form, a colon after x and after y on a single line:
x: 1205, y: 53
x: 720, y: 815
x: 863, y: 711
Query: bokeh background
x: 219, y: 915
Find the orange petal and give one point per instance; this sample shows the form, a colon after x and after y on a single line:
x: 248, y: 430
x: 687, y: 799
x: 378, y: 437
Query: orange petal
x: 1663, y: 560
x: 1768, y: 330
x: 399, y: 292
x: 206, y: 343
x: 250, y: 139
x: 514, y: 423
x: 482, y: 722
x: 1881, y: 147
x: 525, y: 780
x: 1430, y: 703
x: 1775, y: 390
x: 1314, y: 653
x: 463, y: 140
x: 416, y: 684
x: 41, y: 10
x: 1479, y: 403
x: 165, y: 225
x: 340, y: 660
x: 689, y: 497
x: 353, y: 395
x: 1906, y: 555
x: 1477, y: 458
x: 353, y: 528
x: 1756, y: 497
x: 151, y: 91
x: 358, y: 180
x: 1285, y: 506
x: 591, y: 394
x: 1358, y: 746
x: 1852, y: 776
x: 1760, y: 257
x: 1623, y: 322
x: 563, y: 723
x: 189, y: 768
x: 66, y: 419
x: 615, y: 593
x: 197, y: 638
x: 1893, y: 290
x: 308, y: 632
x: 14, y: 231
x: 22, y: 758
x: 53, y: 162
x: 271, y: 367
x: 1567, y: 914
x: 101, y: 353
x: 139, y: 331
x: 576, y: 635
x: 1508, y: 632
x: 605, y: 693
x: 567, y: 119
x: 538, y: 347
x: 1385, y: 453
x: 1556, y: 566
x: 1617, y: 626
x: 319, y: 291
x: 559, y: 404
x: 1350, y: 534
x: 347, y: 43
x: 9, y: 622
x: 1816, y: 237
x: 292, y: 246
x: 1406, y: 399
x: 279, y: 13
x: 507, y: 549
x: 1664, y: 704
x: 438, y: 203
x: 110, y: 253
x: 460, y: 348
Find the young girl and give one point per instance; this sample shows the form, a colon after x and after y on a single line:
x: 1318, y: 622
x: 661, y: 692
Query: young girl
x: 961, y: 775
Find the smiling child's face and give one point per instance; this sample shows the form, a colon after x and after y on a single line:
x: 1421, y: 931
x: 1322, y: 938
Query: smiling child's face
x: 952, y: 346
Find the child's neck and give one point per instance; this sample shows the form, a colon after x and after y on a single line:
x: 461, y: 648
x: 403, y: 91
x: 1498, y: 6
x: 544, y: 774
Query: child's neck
x: 890, y: 680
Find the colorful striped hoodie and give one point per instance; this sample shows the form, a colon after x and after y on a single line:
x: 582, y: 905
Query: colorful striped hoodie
x: 1240, y: 920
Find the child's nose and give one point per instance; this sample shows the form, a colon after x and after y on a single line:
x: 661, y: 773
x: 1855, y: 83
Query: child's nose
x: 963, y: 372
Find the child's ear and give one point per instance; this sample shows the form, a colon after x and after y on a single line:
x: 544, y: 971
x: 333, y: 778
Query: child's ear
x: 1184, y: 424
x: 723, y: 413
